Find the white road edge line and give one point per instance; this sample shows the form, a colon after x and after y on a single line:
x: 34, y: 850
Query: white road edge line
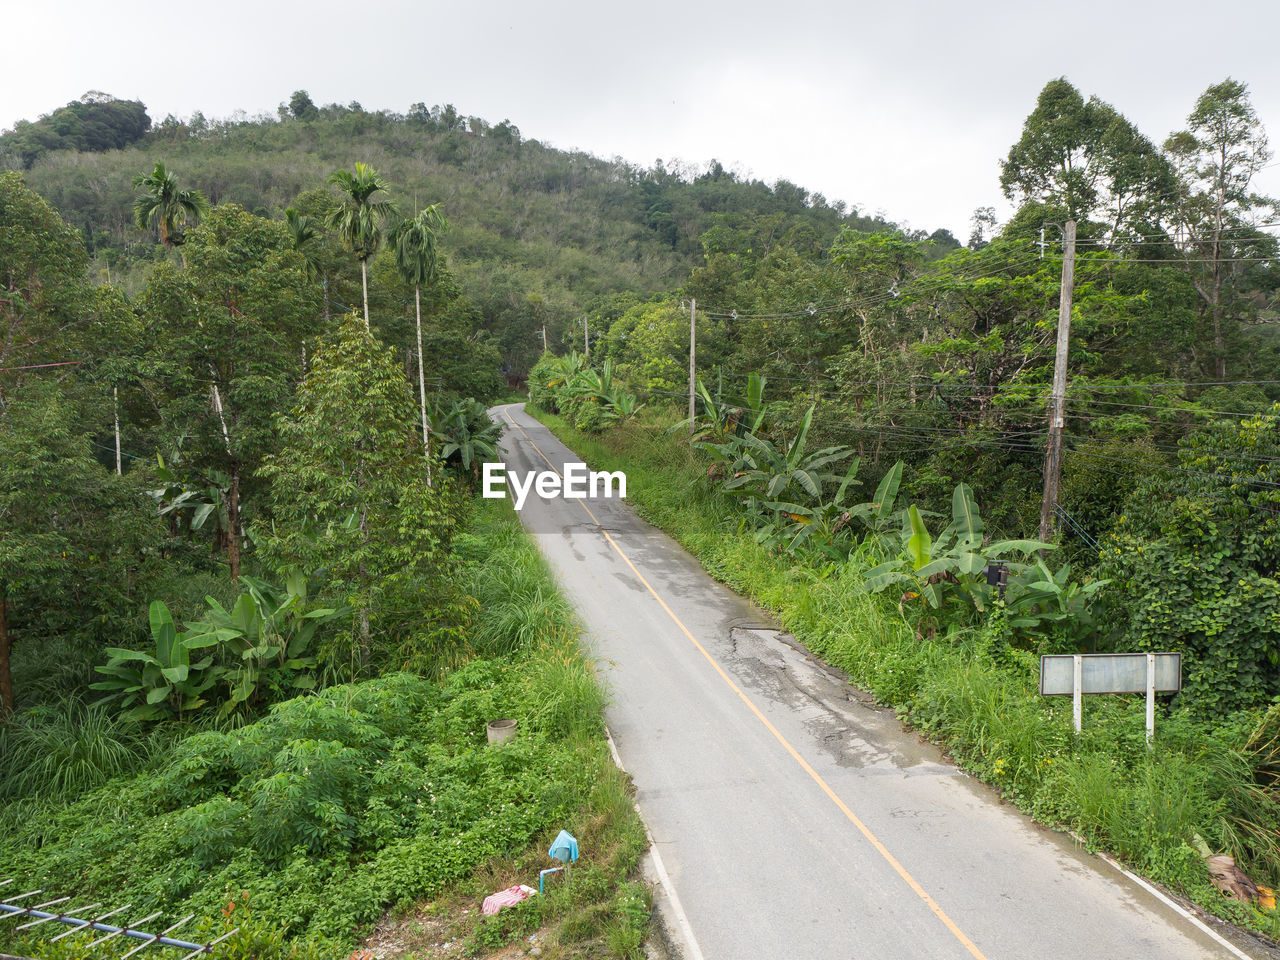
x: 1177, y: 908
x: 691, y: 943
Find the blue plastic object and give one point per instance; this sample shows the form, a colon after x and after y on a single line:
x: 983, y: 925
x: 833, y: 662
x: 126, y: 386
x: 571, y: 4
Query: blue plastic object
x: 542, y: 876
x: 564, y: 848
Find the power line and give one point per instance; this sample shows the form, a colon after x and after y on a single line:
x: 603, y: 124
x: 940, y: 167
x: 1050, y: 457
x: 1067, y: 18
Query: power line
x: 41, y: 366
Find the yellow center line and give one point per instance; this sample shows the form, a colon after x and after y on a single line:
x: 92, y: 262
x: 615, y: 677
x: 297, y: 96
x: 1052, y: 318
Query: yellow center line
x: 804, y: 764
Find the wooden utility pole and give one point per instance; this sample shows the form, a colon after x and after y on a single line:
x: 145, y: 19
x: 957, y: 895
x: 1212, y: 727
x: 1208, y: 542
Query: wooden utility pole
x: 1058, y: 400
x: 693, y: 350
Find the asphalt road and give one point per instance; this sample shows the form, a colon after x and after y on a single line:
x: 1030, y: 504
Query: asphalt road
x: 793, y: 818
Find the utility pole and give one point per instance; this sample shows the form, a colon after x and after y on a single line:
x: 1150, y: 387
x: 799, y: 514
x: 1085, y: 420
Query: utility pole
x: 1058, y: 400
x: 586, y: 342
x: 693, y: 349
x: 544, y: 338
x: 115, y: 404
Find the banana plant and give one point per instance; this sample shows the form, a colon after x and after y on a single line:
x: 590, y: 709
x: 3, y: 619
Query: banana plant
x: 762, y: 472
x: 823, y: 526
x: 877, y: 514
x: 166, y: 683
x: 189, y: 505
x: 268, y: 633
x: 621, y: 405
x: 1039, y: 597
x: 468, y: 436
x: 934, y: 568
x: 719, y: 420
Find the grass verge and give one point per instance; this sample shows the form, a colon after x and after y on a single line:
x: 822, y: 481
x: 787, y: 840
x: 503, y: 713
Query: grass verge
x: 978, y: 697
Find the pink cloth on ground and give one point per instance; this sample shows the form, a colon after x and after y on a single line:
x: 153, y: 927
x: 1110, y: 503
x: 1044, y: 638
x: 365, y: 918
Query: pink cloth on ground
x: 506, y: 898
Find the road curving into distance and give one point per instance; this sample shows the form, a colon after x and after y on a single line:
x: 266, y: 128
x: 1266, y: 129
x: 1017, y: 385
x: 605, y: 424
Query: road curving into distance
x: 791, y: 818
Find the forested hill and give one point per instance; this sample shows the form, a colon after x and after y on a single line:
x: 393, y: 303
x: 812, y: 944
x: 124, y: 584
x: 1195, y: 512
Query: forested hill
x: 538, y: 234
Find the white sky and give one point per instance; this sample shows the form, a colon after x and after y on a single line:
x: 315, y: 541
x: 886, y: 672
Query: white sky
x: 904, y: 108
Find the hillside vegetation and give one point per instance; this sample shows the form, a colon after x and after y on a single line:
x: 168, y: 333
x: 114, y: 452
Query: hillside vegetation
x: 541, y: 235
x: 244, y: 366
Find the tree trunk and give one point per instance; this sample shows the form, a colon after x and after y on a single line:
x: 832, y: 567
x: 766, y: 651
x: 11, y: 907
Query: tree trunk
x: 422, y: 383
x: 364, y: 587
x: 6, y: 670
x: 324, y: 287
x: 364, y: 279
x: 233, y: 523
x: 1219, y: 348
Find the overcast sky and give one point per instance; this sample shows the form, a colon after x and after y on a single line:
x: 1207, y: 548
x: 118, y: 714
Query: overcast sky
x: 904, y: 108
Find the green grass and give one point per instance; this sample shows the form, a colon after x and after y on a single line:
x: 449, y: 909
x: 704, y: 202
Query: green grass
x: 978, y: 697
x: 58, y: 752
x: 306, y: 825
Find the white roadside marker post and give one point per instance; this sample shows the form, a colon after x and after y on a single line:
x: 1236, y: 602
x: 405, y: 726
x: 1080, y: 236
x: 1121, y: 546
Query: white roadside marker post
x: 1077, y: 693
x: 1151, y: 698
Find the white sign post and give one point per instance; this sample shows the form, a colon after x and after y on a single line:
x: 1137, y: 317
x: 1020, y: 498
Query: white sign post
x: 1075, y: 675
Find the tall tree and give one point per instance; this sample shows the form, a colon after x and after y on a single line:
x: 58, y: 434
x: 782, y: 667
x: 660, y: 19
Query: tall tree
x: 166, y: 206
x: 1086, y: 161
x: 348, y: 489
x: 302, y: 107
x: 1217, y: 157
x: 358, y: 217
x: 78, y: 545
x: 418, y: 264
x: 227, y: 331
x: 44, y: 300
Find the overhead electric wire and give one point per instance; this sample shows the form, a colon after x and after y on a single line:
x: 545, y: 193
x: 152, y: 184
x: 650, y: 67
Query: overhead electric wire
x: 1173, y: 238
x: 830, y: 306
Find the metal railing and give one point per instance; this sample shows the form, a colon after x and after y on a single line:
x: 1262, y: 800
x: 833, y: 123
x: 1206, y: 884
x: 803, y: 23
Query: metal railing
x: 40, y: 913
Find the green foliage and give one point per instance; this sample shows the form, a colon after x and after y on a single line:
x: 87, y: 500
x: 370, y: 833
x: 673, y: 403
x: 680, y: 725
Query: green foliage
x: 1193, y: 562
x: 223, y: 350
x: 589, y: 416
x: 309, y: 823
x: 589, y: 395
x: 58, y: 753
x: 947, y: 574
x: 358, y: 216
x: 165, y: 206
x: 78, y: 545
x: 467, y: 435
x: 95, y: 122
x: 50, y: 311
x: 269, y: 635
x: 414, y: 241
x: 1086, y: 159
x: 168, y: 683
x: 351, y: 496
x: 191, y: 505
x: 782, y: 488
x: 717, y: 418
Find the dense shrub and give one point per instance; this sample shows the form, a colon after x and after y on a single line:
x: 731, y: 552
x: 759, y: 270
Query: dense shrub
x: 1193, y: 564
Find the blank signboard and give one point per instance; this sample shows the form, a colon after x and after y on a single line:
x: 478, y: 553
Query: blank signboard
x: 1109, y: 673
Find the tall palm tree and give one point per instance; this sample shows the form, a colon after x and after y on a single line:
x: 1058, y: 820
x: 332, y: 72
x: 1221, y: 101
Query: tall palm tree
x: 415, y: 245
x: 358, y: 215
x: 166, y: 207
x: 304, y: 236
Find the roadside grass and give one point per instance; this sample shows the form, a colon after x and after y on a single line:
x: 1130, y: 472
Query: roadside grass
x: 978, y: 697
x: 310, y: 826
